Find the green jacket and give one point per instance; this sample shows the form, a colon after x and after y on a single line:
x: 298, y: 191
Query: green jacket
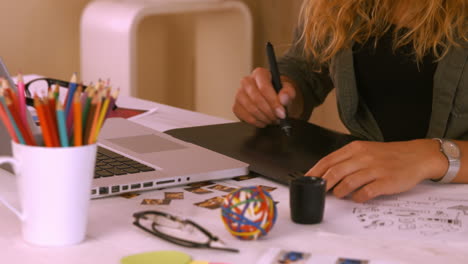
x: 449, y: 118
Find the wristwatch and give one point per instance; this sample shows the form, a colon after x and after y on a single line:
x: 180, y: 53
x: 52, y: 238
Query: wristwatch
x: 452, y: 153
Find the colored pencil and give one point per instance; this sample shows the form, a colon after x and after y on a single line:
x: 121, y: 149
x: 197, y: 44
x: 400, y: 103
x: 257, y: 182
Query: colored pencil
x: 102, y: 116
x: 69, y: 122
x: 84, y: 95
x: 61, y: 125
x: 7, y: 123
x: 12, y: 120
x: 75, y: 122
x: 50, y: 117
x: 70, y: 115
x: 4, y: 83
x: 12, y: 95
x: 95, y: 117
x: 70, y: 93
x: 56, y: 92
x: 43, y: 122
x: 89, y: 119
x: 86, y: 106
x: 113, y: 98
x: 14, y: 110
x: 51, y: 103
x: 51, y: 100
x: 22, y: 128
x: 78, y: 122
x: 22, y: 99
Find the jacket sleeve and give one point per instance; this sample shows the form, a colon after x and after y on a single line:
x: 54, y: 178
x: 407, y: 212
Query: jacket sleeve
x: 314, y: 82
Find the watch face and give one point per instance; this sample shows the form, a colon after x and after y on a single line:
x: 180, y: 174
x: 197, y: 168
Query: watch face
x: 451, y: 150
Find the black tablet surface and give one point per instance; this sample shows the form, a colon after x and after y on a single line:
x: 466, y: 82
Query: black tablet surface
x: 269, y: 151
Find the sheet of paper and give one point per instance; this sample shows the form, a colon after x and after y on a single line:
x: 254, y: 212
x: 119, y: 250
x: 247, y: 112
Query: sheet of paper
x: 166, y: 118
x: 430, y: 211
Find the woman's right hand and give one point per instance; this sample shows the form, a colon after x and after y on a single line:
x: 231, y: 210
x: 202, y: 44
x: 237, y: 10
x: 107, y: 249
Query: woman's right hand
x: 257, y: 102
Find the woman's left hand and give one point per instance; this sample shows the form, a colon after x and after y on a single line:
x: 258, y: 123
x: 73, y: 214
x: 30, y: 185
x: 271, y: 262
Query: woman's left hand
x: 367, y: 169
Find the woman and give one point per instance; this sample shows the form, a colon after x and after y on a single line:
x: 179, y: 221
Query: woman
x: 400, y: 69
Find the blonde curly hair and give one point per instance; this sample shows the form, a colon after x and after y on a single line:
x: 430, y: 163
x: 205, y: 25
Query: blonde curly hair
x: 431, y: 25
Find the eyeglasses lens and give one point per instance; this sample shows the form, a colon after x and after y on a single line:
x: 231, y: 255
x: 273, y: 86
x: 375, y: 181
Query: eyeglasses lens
x: 39, y: 87
x: 174, y: 228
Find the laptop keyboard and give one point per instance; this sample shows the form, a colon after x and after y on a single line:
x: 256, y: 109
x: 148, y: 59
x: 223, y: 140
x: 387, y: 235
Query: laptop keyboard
x: 109, y: 163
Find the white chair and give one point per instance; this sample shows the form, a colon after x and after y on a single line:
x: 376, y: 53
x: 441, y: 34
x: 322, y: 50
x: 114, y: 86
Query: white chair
x: 221, y: 51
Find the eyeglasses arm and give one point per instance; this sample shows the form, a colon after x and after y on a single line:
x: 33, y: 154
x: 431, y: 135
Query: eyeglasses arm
x: 181, y: 242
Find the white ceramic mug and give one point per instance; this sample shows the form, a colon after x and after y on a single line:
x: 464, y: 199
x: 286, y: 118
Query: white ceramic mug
x: 54, y: 186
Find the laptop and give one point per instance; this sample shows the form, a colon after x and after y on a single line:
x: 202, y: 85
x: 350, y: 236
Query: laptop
x: 162, y: 160
x: 132, y: 157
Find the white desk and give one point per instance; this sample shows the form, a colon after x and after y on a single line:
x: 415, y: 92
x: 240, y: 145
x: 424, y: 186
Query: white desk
x: 111, y: 234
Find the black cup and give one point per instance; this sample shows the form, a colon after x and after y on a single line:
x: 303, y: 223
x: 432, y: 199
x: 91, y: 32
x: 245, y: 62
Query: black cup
x: 307, y: 200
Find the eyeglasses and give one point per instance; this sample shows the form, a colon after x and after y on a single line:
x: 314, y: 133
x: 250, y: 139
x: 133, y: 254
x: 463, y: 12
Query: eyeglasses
x: 182, y: 232
x: 43, y: 84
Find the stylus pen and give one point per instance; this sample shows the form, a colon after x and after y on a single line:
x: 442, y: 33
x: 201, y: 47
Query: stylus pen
x: 276, y: 81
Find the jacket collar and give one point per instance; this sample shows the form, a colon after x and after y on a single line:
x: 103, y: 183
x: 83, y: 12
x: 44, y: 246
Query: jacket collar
x: 446, y: 80
x: 352, y: 112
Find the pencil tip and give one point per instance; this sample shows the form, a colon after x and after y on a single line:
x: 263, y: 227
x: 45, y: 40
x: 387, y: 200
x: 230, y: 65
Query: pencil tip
x: 4, y: 83
x: 74, y: 78
x: 20, y: 77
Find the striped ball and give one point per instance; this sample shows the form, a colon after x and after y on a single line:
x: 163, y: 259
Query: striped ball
x: 249, y: 213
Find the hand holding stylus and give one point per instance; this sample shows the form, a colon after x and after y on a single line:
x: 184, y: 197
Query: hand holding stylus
x: 258, y: 103
x: 277, y: 85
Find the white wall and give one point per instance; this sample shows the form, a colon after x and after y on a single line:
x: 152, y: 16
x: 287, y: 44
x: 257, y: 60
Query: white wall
x: 41, y: 36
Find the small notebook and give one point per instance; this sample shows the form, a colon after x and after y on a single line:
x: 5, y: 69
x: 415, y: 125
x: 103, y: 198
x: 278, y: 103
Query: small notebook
x: 268, y: 151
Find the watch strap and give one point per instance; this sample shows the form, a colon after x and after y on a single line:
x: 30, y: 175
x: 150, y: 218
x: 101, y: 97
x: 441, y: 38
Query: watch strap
x: 453, y: 164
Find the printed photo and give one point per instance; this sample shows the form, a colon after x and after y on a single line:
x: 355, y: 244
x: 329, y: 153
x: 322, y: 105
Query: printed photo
x: 174, y: 195
x: 351, y: 261
x: 129, y: 195
x: 222, y: 188
x: 244, y: 177
x: 197, y: 190
x: 156, y: 201
x: 267, y: 188
x: 296, y: 257
x: 200, y: 184
x: 212, y: 203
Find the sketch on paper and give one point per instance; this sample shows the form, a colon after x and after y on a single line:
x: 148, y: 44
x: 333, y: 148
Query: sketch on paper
x: 428, y: 212
x: 431, y: 217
